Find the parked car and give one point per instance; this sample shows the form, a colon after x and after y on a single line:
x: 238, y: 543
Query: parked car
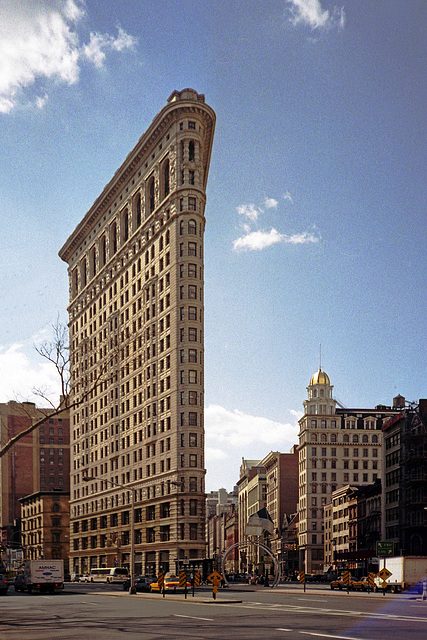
x: 171, y: 584
x: 84, y: 578
x: 142, y: 584
x: 75, y: 577
x: 362, y: 584
x: 340, y: 584
x: 4, y: 584
x: 19, y: 583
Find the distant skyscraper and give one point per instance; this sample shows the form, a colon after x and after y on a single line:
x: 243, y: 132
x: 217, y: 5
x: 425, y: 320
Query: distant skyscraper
x: 337, y: 447
x: 137, y: 344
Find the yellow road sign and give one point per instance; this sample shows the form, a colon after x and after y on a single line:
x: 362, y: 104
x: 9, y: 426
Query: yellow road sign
x: 215, y: 576
x: 384, y: 573
x: 301, y: 576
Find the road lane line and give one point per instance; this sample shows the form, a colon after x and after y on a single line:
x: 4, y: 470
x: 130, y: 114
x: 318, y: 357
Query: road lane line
x: 177, y: 615
x: 325, y: 635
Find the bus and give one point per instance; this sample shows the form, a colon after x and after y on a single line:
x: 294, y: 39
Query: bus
x: 107, y: 574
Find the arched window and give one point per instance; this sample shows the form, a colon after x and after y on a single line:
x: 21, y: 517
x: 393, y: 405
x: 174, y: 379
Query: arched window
x: 323, y: 437
x: 83, y: 273
x: 56, y: 507
x: 74, y: 282
x: 125, y: 225
x: 92, y: 262
x: 113, y: 239
x: 138, y: 217
x: 346, y: 438
x: 166, y: 186
x: 322, y: 393
x: 333, y: 437
x: 181, y: 228
x: 364, y: 438
x: 191, y: 153
x: 151, y: 197
x: 102, y: 251
x: 355, y: 438
x: 374, y: 439
x: 192, y: 227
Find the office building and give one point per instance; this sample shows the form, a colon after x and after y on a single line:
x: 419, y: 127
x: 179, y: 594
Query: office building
x: 337, y: 446
x: 39, y: 461
x: 135, y: 265
x: 405, y: 480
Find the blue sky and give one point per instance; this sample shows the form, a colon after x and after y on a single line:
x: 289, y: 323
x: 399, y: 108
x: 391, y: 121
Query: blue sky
x: 316, y: 218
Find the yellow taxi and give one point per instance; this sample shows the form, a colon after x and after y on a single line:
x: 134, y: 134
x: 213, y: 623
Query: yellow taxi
x: 171, y: 584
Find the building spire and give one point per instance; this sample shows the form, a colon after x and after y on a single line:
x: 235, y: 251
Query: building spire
x: 320, y: 357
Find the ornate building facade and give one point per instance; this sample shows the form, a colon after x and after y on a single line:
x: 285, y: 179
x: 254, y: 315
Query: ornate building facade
x: 337, y: 447
x: 135, y: 265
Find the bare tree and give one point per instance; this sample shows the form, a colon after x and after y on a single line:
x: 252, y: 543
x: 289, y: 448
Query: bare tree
x: 57, y: 353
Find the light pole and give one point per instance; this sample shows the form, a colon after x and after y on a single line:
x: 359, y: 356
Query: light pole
x: 132, y: 588
x: 179, y: 485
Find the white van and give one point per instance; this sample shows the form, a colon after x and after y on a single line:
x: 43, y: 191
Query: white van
x: 117, y: 574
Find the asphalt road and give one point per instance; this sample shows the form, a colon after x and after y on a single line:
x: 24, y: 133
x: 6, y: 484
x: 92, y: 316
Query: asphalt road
x: 92, y: 612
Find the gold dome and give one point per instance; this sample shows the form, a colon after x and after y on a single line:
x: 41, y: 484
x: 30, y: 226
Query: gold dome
x: 320, y: 377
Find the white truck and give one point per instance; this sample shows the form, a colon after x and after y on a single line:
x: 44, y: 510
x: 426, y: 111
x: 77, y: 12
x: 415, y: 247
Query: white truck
x: 44, y: 575
x: 405, y: 571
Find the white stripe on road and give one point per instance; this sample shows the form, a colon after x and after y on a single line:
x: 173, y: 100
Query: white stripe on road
x: 176, y: 615
x: 325, y: 635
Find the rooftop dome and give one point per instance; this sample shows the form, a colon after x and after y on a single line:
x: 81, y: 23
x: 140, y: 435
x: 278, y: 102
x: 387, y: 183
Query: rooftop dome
x: 320, y: 377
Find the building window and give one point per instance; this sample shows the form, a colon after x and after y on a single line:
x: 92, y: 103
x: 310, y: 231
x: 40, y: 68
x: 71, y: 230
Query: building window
x: 193, y: 460
x: 193, y: 530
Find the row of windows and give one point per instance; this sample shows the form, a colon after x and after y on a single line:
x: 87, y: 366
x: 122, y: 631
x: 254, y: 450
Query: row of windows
x: 333, y: 452
x: 333, y: 437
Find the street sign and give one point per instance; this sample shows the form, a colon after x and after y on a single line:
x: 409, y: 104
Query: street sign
x: 384, y: 573
x: 371, y: 579
x: 301, y: 577
x: 385, y: 549
x: 215, y: 576
x: 216, y: 579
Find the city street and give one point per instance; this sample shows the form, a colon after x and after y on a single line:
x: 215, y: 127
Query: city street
x: 93, y: 612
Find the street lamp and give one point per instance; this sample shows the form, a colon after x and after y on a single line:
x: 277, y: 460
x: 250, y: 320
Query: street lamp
x: 179, y: 485
x: 132, y: 589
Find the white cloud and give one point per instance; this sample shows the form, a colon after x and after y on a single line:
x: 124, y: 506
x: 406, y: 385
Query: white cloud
x: 19, y: 376
x: 311, y: 13
x: 301, y: 238
x: 41, y: 101
x: 249, y: 211
x: 270, y: 203
x: 100, y: 42
x: 40, y: 40
x: 287, y: 196
x: 259, y: 240
x: 231, y: 435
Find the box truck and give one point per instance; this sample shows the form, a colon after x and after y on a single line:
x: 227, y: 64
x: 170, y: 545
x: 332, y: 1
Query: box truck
x: 405, y: 571
x: 44, y: 575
